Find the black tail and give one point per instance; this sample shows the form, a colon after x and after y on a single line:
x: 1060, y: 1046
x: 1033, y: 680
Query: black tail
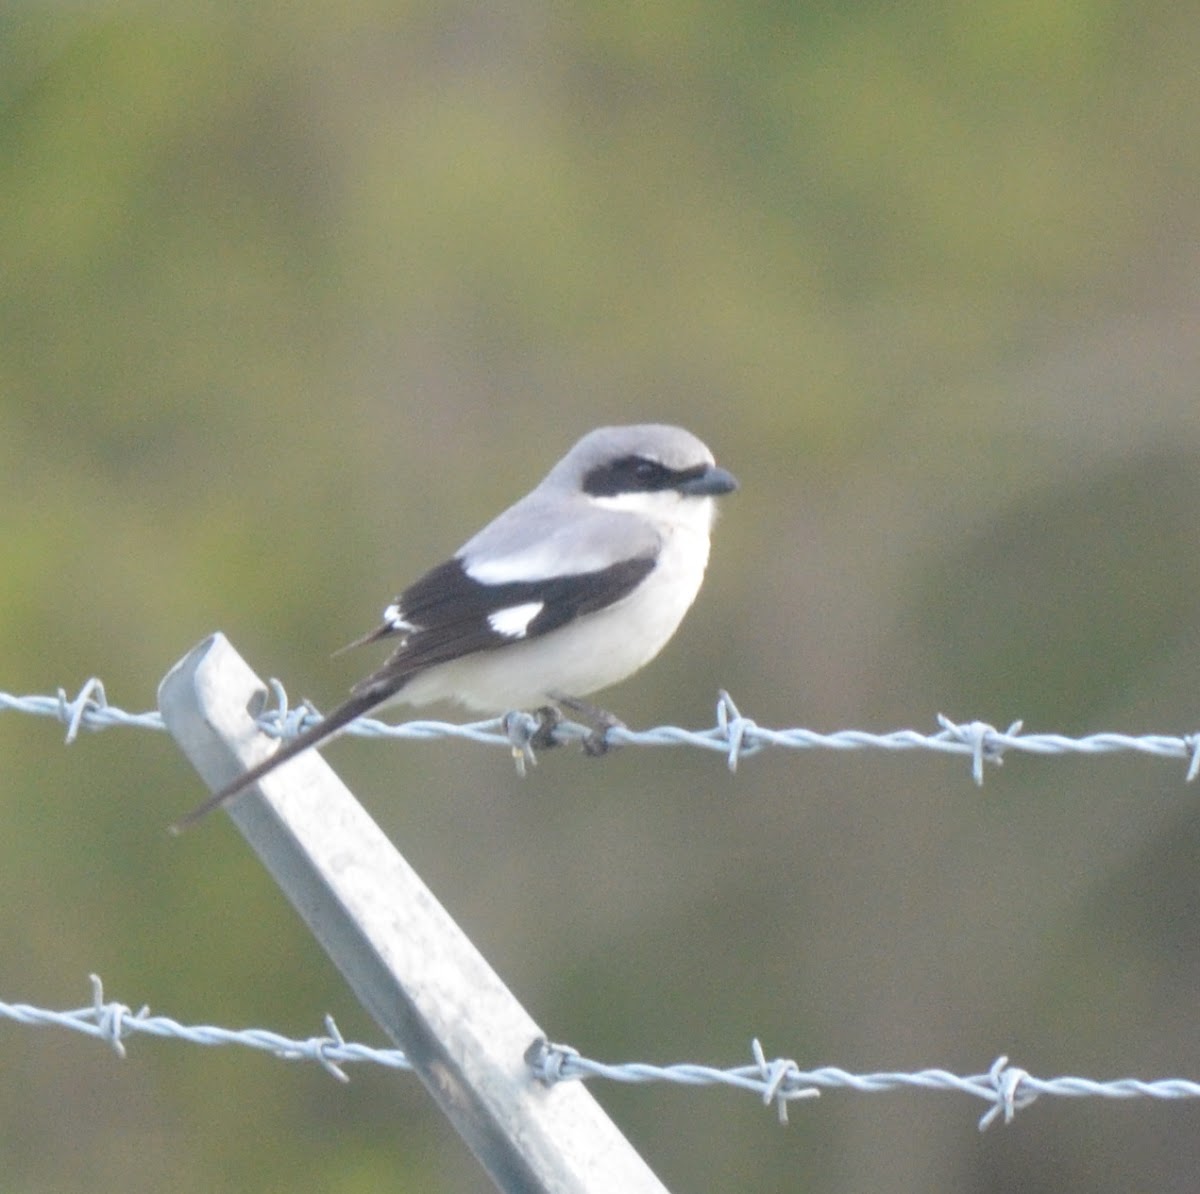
x: 345, y: 713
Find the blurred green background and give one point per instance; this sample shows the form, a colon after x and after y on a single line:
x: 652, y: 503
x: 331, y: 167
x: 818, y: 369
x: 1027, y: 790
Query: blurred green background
x: 295, y: 296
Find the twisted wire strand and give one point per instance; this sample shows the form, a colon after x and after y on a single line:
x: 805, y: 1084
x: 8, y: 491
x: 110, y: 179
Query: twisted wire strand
x: 778, y: 1081
x: 733, y: 735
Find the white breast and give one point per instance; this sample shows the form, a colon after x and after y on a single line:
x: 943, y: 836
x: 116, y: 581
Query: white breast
x: 594, y: 651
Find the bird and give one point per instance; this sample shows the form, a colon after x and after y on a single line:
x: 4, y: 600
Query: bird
x: 572, y: 589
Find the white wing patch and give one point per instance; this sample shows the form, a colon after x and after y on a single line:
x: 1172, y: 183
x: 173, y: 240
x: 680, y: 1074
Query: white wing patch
x: 513, y: 622
x: 393, y: 618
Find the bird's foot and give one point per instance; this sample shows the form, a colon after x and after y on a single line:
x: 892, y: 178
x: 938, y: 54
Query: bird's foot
x: 548, y: 720
x: 598, y: 721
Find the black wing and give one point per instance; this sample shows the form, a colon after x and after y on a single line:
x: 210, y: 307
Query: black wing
x: 452, y: 614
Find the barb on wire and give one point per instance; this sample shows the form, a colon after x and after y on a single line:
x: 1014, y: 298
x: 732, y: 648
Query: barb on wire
x: 89, y: 710
x: 1006, y: 1089
x: 733, y: 735
x: 116, y: 1023
x: 986, y: 742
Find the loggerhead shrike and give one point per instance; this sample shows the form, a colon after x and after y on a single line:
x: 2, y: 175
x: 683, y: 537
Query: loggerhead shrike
x: 575, y: 587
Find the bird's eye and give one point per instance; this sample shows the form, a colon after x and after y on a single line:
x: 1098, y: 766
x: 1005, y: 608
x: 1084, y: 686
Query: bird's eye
x: 630, y: 474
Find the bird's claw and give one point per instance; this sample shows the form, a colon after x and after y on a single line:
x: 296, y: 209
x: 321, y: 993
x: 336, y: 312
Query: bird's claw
x: 548, y: 720
x: 598, y: 721
x: 531, y: 732
x: 596, y: 743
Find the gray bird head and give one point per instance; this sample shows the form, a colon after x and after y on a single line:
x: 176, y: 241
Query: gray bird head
x: 642, y: 458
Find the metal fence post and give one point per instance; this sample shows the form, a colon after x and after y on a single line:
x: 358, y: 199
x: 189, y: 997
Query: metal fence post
x: 408, y: 962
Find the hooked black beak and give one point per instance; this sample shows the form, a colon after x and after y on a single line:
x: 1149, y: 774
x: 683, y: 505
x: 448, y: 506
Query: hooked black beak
x: 710, y: 483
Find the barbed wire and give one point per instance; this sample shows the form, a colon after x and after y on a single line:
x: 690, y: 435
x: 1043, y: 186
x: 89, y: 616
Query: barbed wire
x: 1008, y: 1088
x: 116, y: 1022
x: 734, y: 735
x: 778, y: 1081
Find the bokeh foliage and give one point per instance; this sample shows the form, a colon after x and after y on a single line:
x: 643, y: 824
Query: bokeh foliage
x: 293, y: 296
